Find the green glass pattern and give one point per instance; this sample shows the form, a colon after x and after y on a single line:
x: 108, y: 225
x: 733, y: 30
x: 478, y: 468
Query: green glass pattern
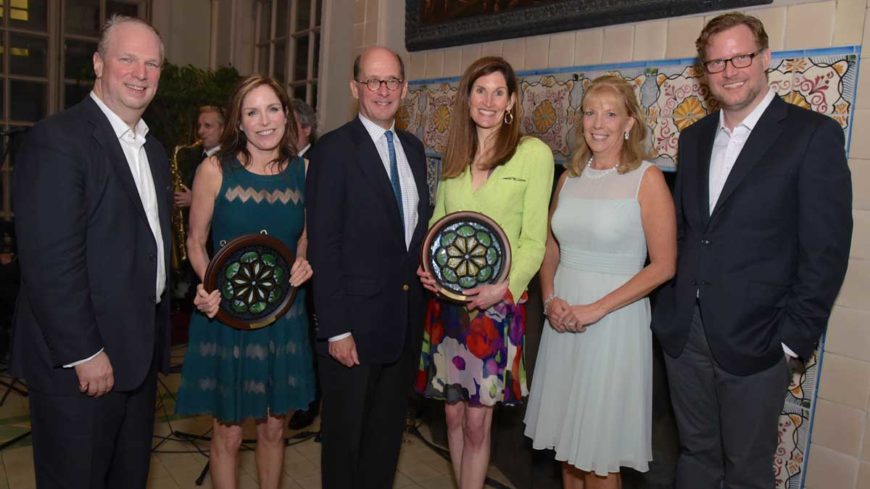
x: 254, y: 282
x: 466, y: 254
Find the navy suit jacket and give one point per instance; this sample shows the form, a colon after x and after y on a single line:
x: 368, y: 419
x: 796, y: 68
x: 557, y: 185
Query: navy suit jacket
x: 364, y: 277
x: 87, y: 253
x: 767, y: 264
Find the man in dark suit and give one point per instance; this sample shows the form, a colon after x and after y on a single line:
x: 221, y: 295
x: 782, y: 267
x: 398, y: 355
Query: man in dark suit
x: 91, y: 195
x: 368, y: 209
x: 764, y: 205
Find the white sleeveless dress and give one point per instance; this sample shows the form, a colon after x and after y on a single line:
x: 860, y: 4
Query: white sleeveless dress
x: 591, y: 396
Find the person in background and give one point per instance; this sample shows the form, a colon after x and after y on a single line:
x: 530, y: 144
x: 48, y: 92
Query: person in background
x: 91, y: 194
x: 306, y: 132
x: 591, y: 398
x: 488, y: 168
x: 209, y: 126
x: 306, y: 127
x: 368, y: 205
x: 253, y: 185
x: 764, y: 217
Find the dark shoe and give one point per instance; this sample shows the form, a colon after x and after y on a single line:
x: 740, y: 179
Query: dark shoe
x: 303, y: 419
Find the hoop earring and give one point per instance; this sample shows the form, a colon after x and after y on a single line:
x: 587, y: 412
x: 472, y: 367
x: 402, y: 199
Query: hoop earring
x: 625, y: 135
x: 508, y: 117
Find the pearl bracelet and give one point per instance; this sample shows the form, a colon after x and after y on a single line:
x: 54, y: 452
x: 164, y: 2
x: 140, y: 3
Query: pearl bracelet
x: 550, y: 298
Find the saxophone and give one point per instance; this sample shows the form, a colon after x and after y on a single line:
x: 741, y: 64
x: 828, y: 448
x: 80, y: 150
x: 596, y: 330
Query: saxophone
x: 179, y: 227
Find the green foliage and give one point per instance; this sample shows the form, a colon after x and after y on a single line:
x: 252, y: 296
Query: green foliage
x: 183, y: 89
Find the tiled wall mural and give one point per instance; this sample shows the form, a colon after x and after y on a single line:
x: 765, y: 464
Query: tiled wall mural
x: 673, y: 96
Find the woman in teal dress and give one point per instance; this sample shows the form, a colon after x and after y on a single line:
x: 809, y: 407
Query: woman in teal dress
x: 472, y: 356
x: 254, y: 185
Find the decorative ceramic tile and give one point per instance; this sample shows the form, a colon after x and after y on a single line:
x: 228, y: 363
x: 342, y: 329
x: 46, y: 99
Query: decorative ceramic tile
x: 672, y: 94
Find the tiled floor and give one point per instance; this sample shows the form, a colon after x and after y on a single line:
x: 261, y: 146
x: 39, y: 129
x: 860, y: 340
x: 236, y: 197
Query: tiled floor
x: 177, y: 463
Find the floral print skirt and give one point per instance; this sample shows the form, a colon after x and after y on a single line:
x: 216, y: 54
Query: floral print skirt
x: 473, y: 356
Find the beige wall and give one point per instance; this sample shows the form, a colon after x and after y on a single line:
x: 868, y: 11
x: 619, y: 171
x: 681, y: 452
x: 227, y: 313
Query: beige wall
x: 840, y: 452
x: 207, y: 33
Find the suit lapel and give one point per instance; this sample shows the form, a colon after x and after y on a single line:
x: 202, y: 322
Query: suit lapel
x: 106, y: 139
x: 763, y: 135
x: 705, y: 152
x: 372, y: 167
x: 159, y: 165
x: 418, y: 167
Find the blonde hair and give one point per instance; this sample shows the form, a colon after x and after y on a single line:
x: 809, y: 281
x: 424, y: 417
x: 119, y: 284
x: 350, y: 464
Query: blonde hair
x: 633, y: 152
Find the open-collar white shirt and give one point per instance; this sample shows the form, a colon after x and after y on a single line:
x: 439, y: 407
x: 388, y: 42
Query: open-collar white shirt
x: 133, y: 143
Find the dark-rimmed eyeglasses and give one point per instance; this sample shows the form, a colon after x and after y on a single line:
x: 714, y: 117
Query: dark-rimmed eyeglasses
x: 739, y: 61
x: 374, y: 84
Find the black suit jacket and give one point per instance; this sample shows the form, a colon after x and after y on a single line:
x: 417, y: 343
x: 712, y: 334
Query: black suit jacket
x: 188, y: 161
x: 767, y: 264
x: 87, y: 254
x: 364, y: 278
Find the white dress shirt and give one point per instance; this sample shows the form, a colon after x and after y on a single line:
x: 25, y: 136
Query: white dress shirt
x: 133, y: 143
x: 726, y: 148
x: 728, y: 145
x: 410, y: 197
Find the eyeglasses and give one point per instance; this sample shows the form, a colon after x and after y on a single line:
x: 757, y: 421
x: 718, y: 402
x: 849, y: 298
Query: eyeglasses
x: 374, y: 84
x: 739, y: 61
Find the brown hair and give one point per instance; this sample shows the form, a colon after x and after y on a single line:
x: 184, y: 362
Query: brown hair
x: 633, y: 152
x: 462, y: 143
x: 234, y: 141
x: 726, y: 21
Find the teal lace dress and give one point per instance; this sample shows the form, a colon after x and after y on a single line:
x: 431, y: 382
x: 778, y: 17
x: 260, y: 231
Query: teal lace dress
x: 234, y: 374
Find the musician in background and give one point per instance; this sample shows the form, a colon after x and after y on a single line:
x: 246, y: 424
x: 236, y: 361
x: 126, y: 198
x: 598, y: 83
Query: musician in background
x: 209, y: 126
x: 186, y: 160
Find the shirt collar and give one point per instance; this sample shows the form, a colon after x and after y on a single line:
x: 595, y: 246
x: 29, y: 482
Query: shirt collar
x: 118, y: 125
x: 211, y: 152
x: 375, y: 131
x: 752, y: 119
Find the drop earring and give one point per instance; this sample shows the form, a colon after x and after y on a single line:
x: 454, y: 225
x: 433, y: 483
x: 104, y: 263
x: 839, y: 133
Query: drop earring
x: 508, y: 117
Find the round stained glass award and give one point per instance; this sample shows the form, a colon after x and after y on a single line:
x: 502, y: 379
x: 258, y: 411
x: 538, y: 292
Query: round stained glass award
x: 464, y: 250
x: 253, y: 274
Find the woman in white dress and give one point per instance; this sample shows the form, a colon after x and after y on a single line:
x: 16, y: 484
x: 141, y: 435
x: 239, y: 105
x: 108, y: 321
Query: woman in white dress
x: 591, y: 397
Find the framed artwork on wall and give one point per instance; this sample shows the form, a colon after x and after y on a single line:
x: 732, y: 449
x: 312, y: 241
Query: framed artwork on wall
x: 433, y: 24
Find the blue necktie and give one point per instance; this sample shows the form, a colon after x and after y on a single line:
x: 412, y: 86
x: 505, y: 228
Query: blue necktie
x: 394, y: 176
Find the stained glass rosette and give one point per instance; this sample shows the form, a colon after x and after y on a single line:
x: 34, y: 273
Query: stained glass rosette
x: 253, y: 274
x: 464, y: 250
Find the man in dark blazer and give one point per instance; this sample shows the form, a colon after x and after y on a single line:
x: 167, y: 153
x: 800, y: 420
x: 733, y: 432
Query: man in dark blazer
x: 764, y: 205
x: 368, y: 210
x: 91, y: 195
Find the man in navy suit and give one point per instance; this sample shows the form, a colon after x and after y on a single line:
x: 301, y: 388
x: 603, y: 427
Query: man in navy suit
x: 764, y: 213
x: 91, y: 194
x: 368, y: 210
